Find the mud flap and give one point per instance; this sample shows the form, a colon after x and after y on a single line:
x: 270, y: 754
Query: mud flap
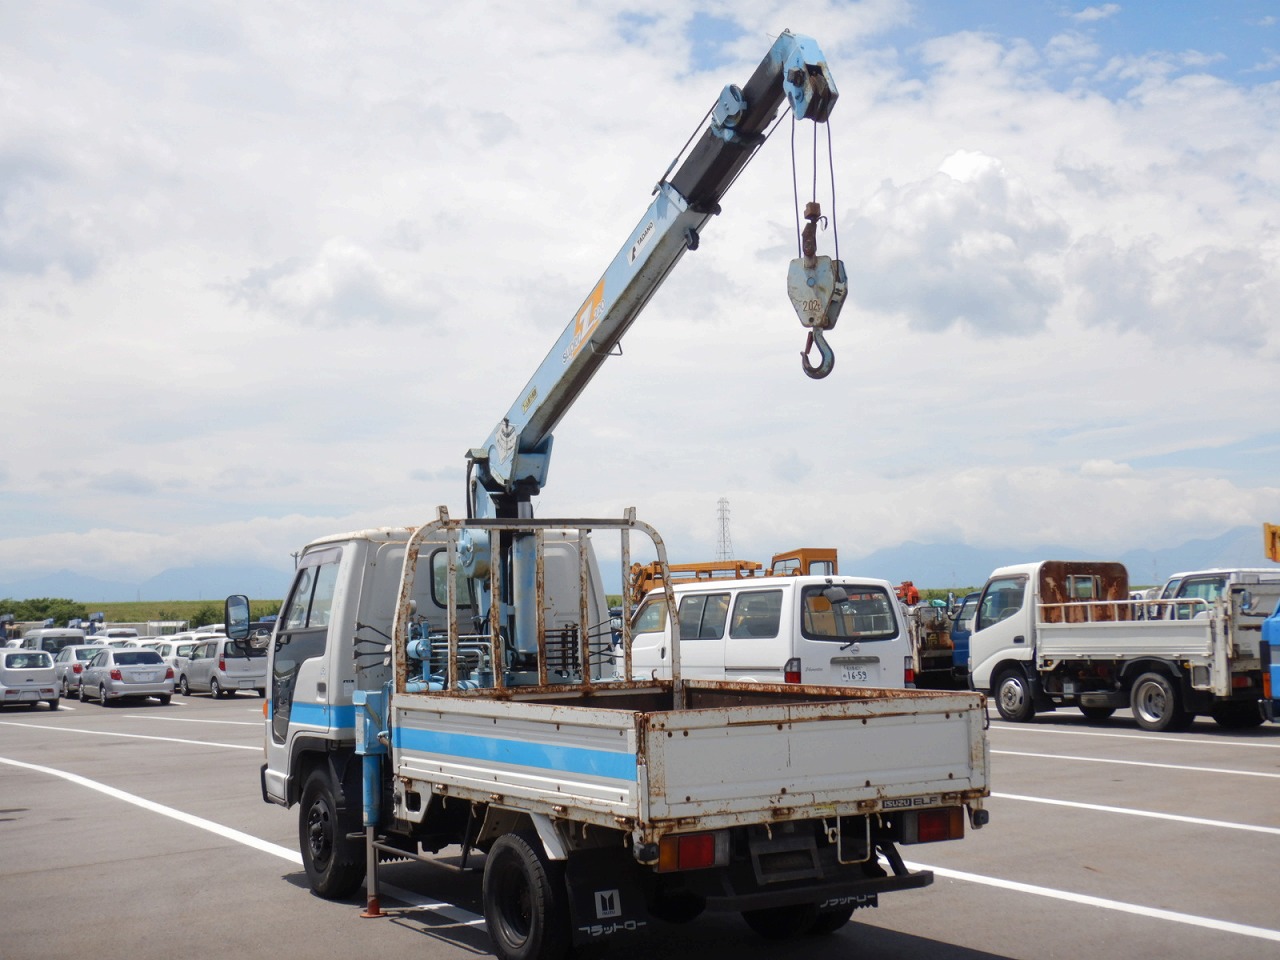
x: 605, y: 896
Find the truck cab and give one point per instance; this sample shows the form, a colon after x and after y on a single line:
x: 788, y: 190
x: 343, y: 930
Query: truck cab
x: 835, y: 631
x: 337, y: 620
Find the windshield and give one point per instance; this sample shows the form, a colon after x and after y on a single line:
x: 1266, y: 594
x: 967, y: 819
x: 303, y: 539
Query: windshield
x: 866, y: 613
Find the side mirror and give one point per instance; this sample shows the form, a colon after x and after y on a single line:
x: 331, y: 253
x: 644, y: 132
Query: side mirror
x: 237, y: 617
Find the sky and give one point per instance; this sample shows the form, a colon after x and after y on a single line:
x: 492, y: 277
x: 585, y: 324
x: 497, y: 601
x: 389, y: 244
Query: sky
x: 268, y: 270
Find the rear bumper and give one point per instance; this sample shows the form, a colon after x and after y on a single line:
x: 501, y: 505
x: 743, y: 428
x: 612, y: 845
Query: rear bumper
x: 117, y: 689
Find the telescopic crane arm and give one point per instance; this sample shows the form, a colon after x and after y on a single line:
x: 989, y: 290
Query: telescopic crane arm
x: 511, y: 466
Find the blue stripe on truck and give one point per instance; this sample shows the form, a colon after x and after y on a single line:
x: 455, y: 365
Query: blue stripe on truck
x: 542, y: 756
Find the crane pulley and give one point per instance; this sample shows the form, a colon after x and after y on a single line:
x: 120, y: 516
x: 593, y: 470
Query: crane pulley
x: 817, y: 287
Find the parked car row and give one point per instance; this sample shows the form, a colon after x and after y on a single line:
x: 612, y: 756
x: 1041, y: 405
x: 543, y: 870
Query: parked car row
x: 190, y: 663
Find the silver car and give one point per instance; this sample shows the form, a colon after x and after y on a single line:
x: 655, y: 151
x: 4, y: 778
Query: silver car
x: 69, y: 664
x: 26, y: 678
x: 223, y: 666
x: 117, y: 674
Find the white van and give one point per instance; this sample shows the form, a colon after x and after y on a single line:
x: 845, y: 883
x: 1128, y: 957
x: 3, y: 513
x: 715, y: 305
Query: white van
x: 52, y: 639
x: 836, y: 631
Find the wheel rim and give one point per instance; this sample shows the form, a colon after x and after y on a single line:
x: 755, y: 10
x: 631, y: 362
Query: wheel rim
x: 319, y: 834
x: 513, y: 902
x: 1012, y: 696
x: 1152, y: 702
x: 214, y: 690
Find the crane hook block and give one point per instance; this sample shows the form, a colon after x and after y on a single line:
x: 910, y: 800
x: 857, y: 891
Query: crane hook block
x: 817, y: 287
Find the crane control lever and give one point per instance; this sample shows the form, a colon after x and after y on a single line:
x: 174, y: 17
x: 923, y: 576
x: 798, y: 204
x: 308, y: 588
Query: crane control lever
x: 817, y: 287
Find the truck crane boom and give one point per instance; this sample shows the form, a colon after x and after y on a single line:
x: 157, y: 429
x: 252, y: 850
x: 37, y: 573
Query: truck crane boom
x: 510, y: 467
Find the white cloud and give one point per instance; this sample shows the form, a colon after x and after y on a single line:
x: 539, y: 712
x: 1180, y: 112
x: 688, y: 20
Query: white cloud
x: 1093, y: 14
x: 269, y: 276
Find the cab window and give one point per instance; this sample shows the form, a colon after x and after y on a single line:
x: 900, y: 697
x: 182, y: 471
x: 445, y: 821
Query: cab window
x: 652, y: 617
x: 1001, y: 600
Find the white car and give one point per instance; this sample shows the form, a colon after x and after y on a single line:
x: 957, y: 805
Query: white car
x: 69, y: 664
x: 26, y: 678
x: 174, y: 652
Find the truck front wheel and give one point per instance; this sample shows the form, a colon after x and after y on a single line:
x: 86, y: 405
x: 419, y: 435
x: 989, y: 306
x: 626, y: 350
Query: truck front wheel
x: 1013, y: 697
x: 525, y: 900
x: 1156, y: 704
x: 333, y: 863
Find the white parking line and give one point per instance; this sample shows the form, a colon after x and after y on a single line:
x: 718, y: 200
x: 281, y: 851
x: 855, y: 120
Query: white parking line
x: 1149, y: 738
x: 157, y: 716
x: 132, y: 736
x: 412, y: 901
x: 190, y: 819
x: 1138, y: 763
x: 1100, y: 808
x: 1208, y: 923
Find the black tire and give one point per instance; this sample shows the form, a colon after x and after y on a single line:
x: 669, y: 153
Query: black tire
x: 525, y: 900
x: 782, y: 923
x: 829, y: 921
x: 164, y: 699
x: 83, y: 697
x: 184, y: 688
x: 1097, y: 713
x: 334, y: 864
x: 262, y: 693
x: 1157, y: 705
x: 1237, y: 716
x: 1013, y: 697
x: 53, y: 704
x: 215, y: 689
x: 102, y: 695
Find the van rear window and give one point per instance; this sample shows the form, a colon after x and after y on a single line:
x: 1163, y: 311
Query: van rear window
x: 863, y: 613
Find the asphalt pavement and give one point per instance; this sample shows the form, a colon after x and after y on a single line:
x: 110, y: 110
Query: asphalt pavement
x: 139, y: 831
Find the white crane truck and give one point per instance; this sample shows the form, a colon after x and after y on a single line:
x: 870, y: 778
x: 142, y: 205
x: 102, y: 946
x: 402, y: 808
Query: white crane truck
x: 1065, y: 633
x: 457, y: 685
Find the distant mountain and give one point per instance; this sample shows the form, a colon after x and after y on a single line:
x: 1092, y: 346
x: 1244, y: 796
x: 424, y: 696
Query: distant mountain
x: 204, y: 582
x: 928, y: 565
x: 947, y: 566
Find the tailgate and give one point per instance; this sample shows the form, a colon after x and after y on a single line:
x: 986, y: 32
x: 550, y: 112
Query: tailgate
x: 781, y: 761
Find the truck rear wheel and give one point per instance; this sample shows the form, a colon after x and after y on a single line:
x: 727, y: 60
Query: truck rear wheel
x: 333, y: 863
x: 1013, y: 697
x: 525, y: 900
x: 1237, y: 716
x: 1157, y: 705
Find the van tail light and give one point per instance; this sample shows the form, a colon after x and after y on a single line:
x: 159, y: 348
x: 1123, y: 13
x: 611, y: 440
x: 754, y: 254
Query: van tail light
x: 222, y: 665
x: 930, y: 826
x: 908, y: 672
x: 791, y: 671
x: 116, y: 675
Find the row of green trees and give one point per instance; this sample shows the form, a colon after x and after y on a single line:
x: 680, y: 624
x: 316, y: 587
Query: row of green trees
x: 61, y: 610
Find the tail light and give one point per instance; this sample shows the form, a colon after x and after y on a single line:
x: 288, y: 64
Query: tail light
x: 929, y: 826
x: 168, y: 674
x: 693, y: 851
x: 908, y: 672
x: 222, y: 665
x: 77, y: 667
x: 116, y: 675
x: 791, y: 671
x: 1240, y: 681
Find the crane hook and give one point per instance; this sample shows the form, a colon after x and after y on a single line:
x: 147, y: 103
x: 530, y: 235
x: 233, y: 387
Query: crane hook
x: 824, y: 349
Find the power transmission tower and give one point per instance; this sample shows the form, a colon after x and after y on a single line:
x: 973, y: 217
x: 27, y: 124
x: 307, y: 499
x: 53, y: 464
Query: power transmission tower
x: 724, y: 546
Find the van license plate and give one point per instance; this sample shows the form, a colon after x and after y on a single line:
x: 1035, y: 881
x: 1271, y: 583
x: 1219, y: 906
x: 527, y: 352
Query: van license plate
x: 855, y: 675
